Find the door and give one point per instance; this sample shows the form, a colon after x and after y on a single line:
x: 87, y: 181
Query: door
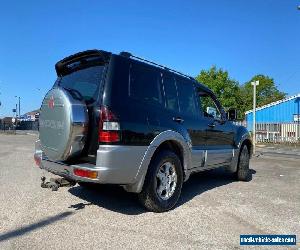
x: 189, y: 117
x: 144, y: 90
x: 219, y: 132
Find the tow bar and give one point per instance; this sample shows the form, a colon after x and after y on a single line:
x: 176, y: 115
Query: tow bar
x: 55, y: 183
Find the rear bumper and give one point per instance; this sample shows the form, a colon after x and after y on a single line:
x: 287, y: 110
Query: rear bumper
x: 114, y: 165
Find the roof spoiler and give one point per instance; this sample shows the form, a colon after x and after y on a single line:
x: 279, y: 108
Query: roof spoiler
x: 64, y: 66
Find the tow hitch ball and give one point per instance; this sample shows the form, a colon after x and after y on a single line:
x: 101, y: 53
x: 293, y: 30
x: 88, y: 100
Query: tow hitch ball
x: 55, y: 183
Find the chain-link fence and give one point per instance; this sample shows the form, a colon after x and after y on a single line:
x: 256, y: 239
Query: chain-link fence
x: 28, y: 125
x: 20, y: 125
x: 6, y: 126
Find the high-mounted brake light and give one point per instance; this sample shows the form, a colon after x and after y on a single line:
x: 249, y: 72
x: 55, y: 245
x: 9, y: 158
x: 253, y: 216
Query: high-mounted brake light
x: 109, y: 126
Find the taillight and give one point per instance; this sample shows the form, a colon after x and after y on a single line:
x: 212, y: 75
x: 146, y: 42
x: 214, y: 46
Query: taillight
x: 85, y: 173
x: 37, y: 159
x: 109, y: 136
x: 109, y: 126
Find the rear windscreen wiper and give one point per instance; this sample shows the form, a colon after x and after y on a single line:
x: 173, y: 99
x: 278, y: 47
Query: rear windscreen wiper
x: 74, y: 92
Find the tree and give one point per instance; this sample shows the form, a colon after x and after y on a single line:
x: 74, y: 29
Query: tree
x: 266, y: 92
x: 225, y: 88
x: 232, y: 95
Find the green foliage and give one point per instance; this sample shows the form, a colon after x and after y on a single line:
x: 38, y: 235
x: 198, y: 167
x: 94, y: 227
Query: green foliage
x: 226, y: 89
x: 266, y: 92
x: 233, y: 95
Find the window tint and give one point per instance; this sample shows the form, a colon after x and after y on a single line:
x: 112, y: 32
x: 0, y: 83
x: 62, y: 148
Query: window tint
x: 186, y: 96
x: 171, y: 93
x: 145, y: 84
x: 86, y: 81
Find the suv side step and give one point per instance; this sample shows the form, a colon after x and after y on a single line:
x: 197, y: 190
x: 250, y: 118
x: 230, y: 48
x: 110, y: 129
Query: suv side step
x: 55, y: 183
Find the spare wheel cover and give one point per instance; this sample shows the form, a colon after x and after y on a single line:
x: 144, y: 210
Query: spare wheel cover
x: 63, y: 125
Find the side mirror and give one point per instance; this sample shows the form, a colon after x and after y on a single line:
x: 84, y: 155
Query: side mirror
x: 211, y: 111
x: 232, y: 114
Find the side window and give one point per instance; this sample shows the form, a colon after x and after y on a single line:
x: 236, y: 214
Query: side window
x: 170, y: 93
x: 144, y: 84
x: 208, y: 106
x: 186, y: 94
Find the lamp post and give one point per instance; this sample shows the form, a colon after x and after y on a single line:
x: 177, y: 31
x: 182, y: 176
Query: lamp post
x: 19, y: 104
x: 298, y: 118
x: 254, y: 84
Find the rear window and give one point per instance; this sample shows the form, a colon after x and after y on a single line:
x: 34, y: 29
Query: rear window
x: 85, y: 81
x: 144, y: 84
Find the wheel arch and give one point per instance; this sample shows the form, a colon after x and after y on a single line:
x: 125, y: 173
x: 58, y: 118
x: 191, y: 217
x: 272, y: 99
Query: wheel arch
x: 173, y: 146
x: 170, y: 140
x: 243, y: 139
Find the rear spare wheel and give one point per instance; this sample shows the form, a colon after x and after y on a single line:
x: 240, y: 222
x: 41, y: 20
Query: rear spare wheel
x: 63, y: 124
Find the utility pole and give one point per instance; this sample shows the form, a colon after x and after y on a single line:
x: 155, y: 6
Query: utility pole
x: 298, y: 118
x: 254, y: 84
x: 19, y: 104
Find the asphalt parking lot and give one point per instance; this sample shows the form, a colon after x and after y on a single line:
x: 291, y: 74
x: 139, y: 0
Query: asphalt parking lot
x: 212, y: 213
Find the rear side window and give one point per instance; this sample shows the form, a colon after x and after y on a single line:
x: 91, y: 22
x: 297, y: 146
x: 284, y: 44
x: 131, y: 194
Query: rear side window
x: 170, y: 93
x: 144, y: 84
x: 186, y: 94
x: 85, y: 81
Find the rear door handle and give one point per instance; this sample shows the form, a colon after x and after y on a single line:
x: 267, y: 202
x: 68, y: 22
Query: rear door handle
x: 178, y: 119
x: 211, y: 125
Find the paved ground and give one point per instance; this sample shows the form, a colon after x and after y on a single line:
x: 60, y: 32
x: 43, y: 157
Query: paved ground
x: 212, y: 213
x: 290, y: 150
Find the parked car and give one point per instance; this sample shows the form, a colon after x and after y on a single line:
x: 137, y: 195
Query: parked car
x: 120, y: 119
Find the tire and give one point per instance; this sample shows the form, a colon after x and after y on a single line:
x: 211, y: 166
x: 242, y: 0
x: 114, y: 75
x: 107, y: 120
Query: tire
x: 243, y: 171
x: 162, y: 189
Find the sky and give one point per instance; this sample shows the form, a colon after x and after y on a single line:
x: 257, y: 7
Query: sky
x: 244, y: 37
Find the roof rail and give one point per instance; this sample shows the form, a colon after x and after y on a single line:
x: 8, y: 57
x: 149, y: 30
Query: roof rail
x: 129, y: 55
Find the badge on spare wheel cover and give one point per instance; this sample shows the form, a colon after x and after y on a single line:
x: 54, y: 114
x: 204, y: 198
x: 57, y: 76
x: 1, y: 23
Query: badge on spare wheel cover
x: 51, y: 102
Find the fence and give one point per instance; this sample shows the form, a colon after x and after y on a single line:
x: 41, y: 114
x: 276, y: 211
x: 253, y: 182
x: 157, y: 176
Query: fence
x: 278, y: 132
x: 275, y: 132
x: 23, y: 125
x: 6, y: 126
x: 28, y: 125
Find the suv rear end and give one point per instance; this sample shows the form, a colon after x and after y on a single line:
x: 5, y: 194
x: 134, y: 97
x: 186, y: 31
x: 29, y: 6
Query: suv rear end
x: 88, y: 132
